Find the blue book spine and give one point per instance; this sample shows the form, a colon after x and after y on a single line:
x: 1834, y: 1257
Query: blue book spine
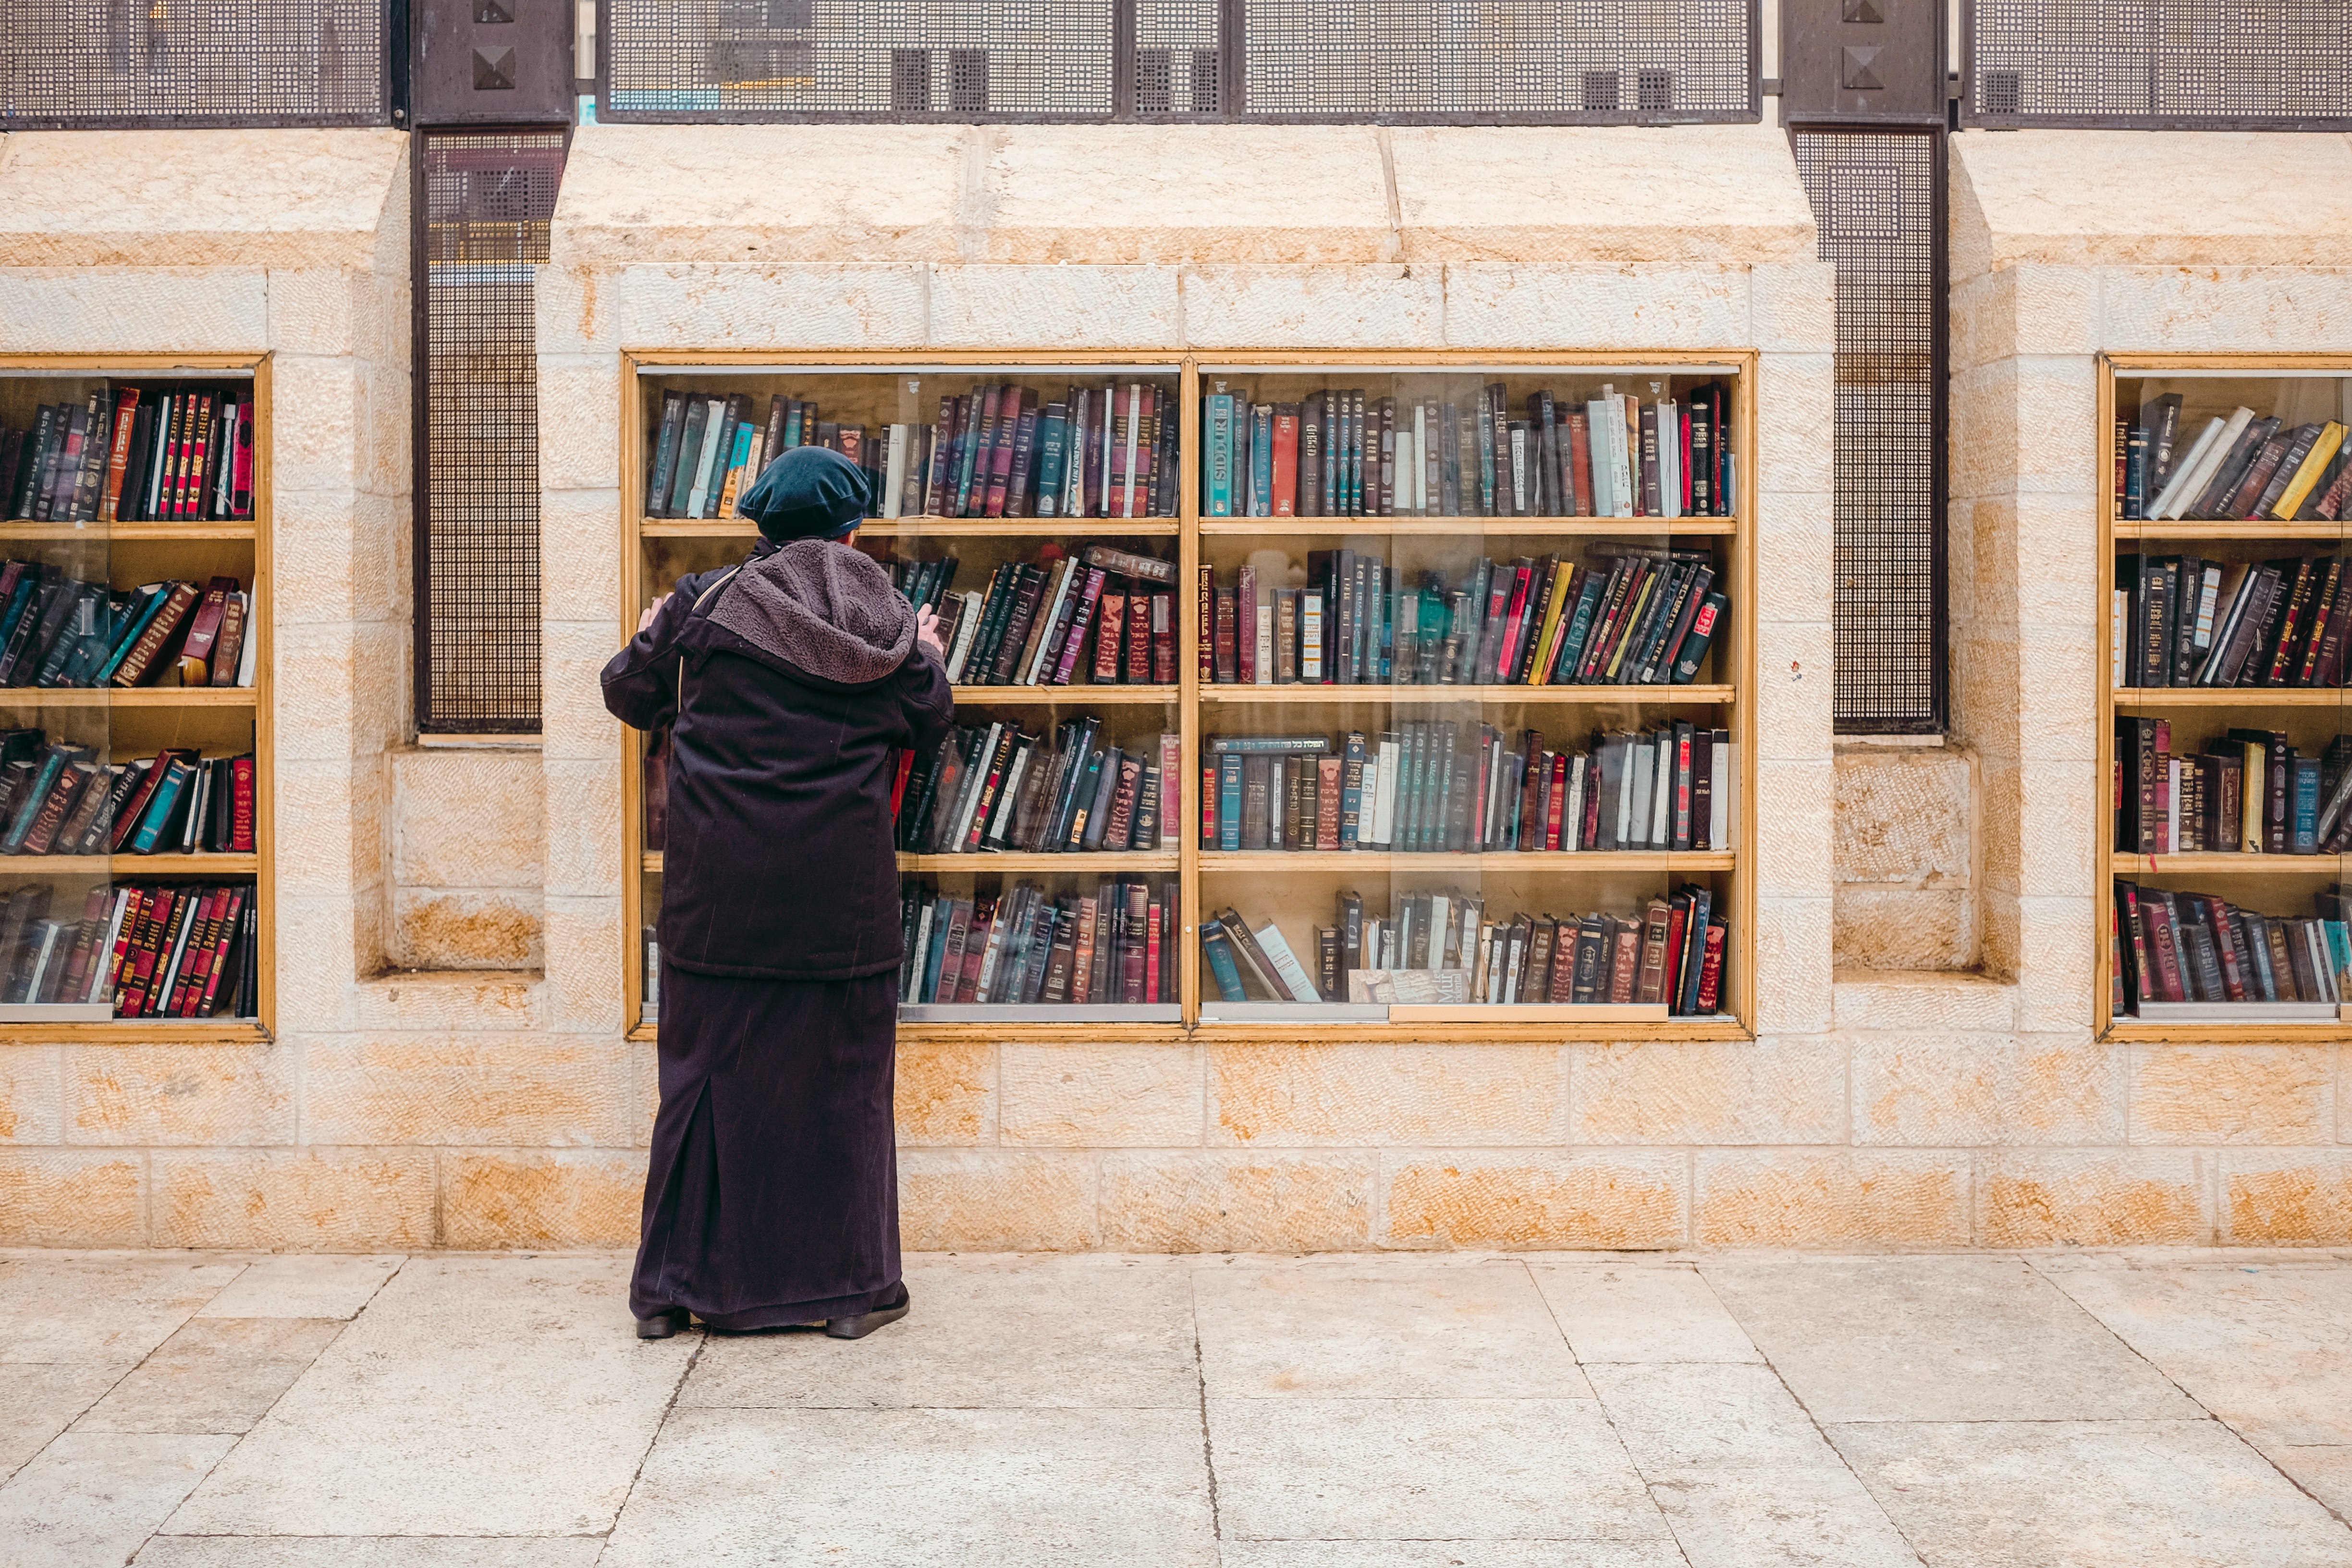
x: 942, y: 914
x: 136, y: 623
x: 43, y: 782
x: 2339, y: 953
x: 1262, y: 462
x: 1218, y: 453
x: 159, y: 810
x: 2305, y: 805
x: 1053, y: 462
x: 1218, y: 949
x: 1229, y: 801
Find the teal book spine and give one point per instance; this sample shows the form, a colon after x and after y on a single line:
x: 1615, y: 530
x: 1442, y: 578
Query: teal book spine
x: 1229, y: 801
x: 1218, y: 453
x: 1053, y: 459
x: 159, y: 810
x: 1218, y: 949
x: 1261, y: 462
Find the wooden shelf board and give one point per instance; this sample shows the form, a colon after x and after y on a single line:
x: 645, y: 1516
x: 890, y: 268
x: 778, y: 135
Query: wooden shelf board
x: 2231, y: 697
x: 2190, y: 529
x: 126, y: 697
x: 934, y: 527
x: 1165, y: 860
x: 2224, y: 862
x: 133, y: 868
x: 1483, y: 695
x: 129, y: 532
x: 128, y: 1031
x: 1465, y: 527
x: 2131, y: 1031
x: 1593, y: 860
x: 1072, y: 696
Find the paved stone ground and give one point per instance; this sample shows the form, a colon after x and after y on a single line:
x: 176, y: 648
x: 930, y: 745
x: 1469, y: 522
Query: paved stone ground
x: 198, y: 1410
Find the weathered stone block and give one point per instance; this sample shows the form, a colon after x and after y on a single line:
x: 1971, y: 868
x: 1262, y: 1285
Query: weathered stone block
x: 2205, y: 1095
x: 2056, y: 971
x: 946, y: 1092
x: 574, y: 311
x: 469, y: 1088
x: 1832, y: 1198
x: 1793, y: 440
x: 578, y: 532
x: 502, y: 1198
x: 338, y: 703
x: 583, y: 941
x: 1795, y: 805
x: 2232, y: 199
x: 330, y: 822
x: 1795, y: 664
x: 1904, y: 817
x: 90, y: 310
x: 2286, y: 1199
x: 1275, y: 1095
x: 319, y: 440
x: 118, y: 198
x: 1476, y: 1198
x: 32, y: 1094
x: 1982, y: 310
x: 1272, y: 194
x: 1368, y: 306
x: 1099, y: 1096
x: 332, y: 312
x: 1532, y: 304
x: 1953, y: 1091
x: 452, y: 1002
x: 73, y: 1197
x: 2240, y: 310
x: 1792, y: 965
x: 1586, y: 195
x: 573, y: 723
x: 1256, y: 1201
x: 336, y: 556
x: 1903, y: 929
x: 441, y: 928
x: 2090, y: 1198
x: 754, y: 306
x: 660, y: 192
x: 1796, y: 539
x: 1793, y: 306
x: 219, y: 1094
x: 584, y: 834
x: 1764, y: 1091
x: 313, y: 1200
x: 2057, y: 413
x: 579, y: 417
x: 1054, y: 307
x: 468, y: 818
x: 960, y: 1201
x: 315, y: 976
x: 1925, y: 1004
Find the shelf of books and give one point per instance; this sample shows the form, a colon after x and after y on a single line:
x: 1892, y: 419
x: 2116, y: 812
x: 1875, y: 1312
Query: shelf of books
x: 135, y: 754
x: 2229, y: 815
x: 1395, y: 699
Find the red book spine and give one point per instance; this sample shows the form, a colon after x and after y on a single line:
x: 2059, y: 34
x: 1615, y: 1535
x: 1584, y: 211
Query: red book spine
x: 117, y: 458
x: 1516, y: 607
x: 1163, y: 638
x: 1139, y: 640
x: 1558, y: 807
x: 898, y: 785
x: 1710, y: 970
x: 1151, y: 954
x: 1286, y: 463
x: 1209, y: 804
x: 1110, y: 626
x: 1206, y: 626
x: 126, y: 936
x: 240, y: 806
x: 230, y: 926
x: 188, y: 985
x: 1675, y: 922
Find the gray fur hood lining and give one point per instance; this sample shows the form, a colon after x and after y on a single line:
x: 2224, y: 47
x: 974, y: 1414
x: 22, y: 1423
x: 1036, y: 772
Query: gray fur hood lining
x: 823, y: 609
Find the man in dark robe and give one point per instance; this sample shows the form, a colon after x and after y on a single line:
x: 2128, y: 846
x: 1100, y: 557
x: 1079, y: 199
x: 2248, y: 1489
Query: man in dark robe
x: 788, y: 684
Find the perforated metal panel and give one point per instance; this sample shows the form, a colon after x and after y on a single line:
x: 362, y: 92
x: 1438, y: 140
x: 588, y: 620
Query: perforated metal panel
x: 87, y: 63
x: 2192, y: 64
x: 884, y: 59
x: 1178, y: 58
x: 1877, y: 204
x: 485, y: 200
x: 1586, y: 60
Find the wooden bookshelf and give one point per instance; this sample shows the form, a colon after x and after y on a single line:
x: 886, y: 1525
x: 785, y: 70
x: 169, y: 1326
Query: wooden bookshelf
x: 122, y: 722
x: 1288, y: 883
x: 2301, y: 388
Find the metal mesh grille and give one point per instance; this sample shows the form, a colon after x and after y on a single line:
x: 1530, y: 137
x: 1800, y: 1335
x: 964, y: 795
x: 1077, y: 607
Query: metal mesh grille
x: 1444, y: 59
x: 487, y: 197
x: 896, y: 60
x: 2187, y: 63
x: 1874, y: 204
x: 1177, y: 57
x: 70, y: 63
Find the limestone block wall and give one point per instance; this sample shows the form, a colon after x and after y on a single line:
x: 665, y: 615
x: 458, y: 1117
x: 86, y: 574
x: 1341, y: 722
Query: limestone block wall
x: 2184, y: 242
x: 1907, y: 847
x: 467, y: 857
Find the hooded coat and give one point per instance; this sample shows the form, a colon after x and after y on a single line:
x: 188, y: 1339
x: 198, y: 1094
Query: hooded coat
x: 804, y: 678
x: 787, y: 685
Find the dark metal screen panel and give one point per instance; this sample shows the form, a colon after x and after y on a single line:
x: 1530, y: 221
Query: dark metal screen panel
x: 1594, y: 61
x: 83, y: 64
x: 486, y: 199
x: 1877, y: 199
x: 854, y: 60
x: 2210, y: 64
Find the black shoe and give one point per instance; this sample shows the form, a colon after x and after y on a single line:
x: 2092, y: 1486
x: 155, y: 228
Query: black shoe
x: 865, y: 1323
x: 662, y: 1324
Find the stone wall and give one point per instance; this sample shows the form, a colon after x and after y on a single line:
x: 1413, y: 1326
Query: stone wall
x: 1924, y: 1073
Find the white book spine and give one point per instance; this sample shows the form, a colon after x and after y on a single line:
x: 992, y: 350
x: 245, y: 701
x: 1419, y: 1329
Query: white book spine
x: 101, y: 962
x: 894, y: 471
x: 1384, y: 800
x: 2118, y: 633
x: 1286, y: 967
x: 2215, y: 455
x: 2189, y: 463
x: 912, y: 990
x: 1662, y: 803
x: 248, y: 653
x: 1263, y: 672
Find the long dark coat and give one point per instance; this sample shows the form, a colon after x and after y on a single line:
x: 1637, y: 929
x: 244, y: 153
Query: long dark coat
x: 772, y: 1196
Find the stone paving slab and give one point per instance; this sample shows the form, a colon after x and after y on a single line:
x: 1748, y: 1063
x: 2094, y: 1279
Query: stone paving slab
x: 1343, y: 1410
x: 216, y: 1374
x: 1395, y: 1329
x: 1966, y: 1337
x: 2265, y: 1347
x: 477, y: 1395
x: 921, y: 1489
x: 985, y: 1333
x: 2069, y: 1494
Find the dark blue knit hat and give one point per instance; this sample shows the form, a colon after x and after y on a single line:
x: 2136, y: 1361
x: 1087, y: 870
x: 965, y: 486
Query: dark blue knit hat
x: 808, y: 492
